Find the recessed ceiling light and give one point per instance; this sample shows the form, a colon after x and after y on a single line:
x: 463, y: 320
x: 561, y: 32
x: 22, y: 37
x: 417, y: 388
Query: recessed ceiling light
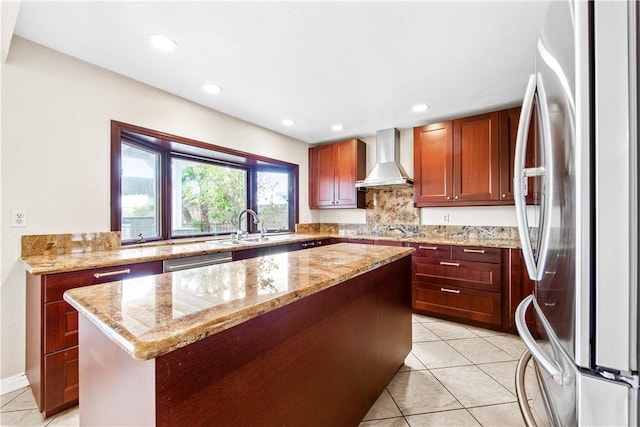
x: 337, y: 127
x: 420, y: 108
x: 288, y: 122
x: 163, y: 43
x: 211, y: 88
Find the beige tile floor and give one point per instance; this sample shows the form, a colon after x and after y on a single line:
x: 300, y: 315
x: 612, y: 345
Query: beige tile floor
x: 455, y: 375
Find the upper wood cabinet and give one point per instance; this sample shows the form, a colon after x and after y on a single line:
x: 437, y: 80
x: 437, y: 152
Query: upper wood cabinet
x: 333, y: 172
x: 509, y: 120
x: 457, y: 162
x: 433, y: 164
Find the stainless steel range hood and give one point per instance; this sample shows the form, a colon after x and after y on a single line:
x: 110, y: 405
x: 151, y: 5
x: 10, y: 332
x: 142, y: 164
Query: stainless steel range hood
x: 387, y: 172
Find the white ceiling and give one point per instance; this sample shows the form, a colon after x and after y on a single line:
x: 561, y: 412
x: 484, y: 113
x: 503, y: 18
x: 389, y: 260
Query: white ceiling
x: 361, y: 64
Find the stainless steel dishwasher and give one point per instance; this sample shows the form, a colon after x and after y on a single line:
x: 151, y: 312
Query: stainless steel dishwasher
x: 175, y: 264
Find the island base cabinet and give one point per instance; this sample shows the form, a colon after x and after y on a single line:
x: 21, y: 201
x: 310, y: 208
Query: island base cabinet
x: 320, y: 361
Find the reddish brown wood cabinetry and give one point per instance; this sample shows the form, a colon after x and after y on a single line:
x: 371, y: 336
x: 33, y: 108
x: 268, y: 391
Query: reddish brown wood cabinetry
x: 457, y: 162
x: 433, y: 164
x: 52, y: 331
x: 333, y: 172
x: 508, y: 123
x: 459, y: 283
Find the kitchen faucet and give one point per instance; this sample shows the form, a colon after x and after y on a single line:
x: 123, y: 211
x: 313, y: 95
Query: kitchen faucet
x: 256, y: 220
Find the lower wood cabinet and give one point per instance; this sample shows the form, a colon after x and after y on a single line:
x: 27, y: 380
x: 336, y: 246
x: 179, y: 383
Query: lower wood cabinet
x: 460, y: 283
x: 475, y: 285
x: 52, y: 331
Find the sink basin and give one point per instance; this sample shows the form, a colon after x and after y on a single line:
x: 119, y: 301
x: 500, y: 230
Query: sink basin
x: 251, y: 239
x: 239, y: 242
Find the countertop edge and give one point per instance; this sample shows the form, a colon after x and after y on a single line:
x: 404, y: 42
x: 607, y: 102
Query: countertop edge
x: 145, y: 350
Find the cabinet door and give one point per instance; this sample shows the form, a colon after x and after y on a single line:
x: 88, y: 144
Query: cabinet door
x: 61, y: 380
x: 476, y: 158
x: 345, y: 173
x: 60, y: 326
x: 509, y: 120
x: 321, y: 180
x: 433, y: 164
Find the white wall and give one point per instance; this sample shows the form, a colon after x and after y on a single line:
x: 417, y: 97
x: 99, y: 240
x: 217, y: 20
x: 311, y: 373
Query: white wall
x: 484, y: 215
x: 55, y: 132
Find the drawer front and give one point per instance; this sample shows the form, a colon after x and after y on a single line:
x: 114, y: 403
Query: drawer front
x: 427, y: 250
x: 462, y: 303
x: 56, y: 284
x: 475, y: 253
x: 60, y: 326
x: 465, y: 274
x: 61, y: 378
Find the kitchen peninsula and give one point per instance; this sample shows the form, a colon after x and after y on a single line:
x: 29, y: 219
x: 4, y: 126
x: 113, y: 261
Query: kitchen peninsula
x: 300, y: 338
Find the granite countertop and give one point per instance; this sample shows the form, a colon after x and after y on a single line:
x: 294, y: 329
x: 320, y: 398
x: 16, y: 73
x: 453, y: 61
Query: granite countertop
x: 436, y: 240
x: 54, y: 263
x: 153, y: 315
x: 111, y: 257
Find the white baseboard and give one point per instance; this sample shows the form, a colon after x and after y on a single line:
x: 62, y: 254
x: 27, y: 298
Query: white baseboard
x: 15, y: 382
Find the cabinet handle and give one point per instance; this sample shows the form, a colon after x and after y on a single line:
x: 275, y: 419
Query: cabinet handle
x: 451, y: 264
x: 504, y: 196
x: 111, y: 273
x: 429, y: 248
x: 448, y: 197
x: 307, y: 245
x: 451, y: 291
x: 456, y: 197
x: 474, y: 251
x: 550, y: 304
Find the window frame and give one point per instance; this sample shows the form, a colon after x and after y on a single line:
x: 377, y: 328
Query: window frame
x: 168, y: 146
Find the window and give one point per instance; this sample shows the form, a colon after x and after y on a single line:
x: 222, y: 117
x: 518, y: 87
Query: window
x: 169, y: 187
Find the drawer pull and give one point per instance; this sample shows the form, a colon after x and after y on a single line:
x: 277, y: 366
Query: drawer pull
x: 550, y: 304
x: 450, y: 264
x: 451, y: 291
x: 429, y: 248
x: 308, y: 245
x: 474, y: 251
x: 111, y: 273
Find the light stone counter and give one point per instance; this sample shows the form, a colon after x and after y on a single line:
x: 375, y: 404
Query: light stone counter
x: 91, y: 257
x: 153, y: 315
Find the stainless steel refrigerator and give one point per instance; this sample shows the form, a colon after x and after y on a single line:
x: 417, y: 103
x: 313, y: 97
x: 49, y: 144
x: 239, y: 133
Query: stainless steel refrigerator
x: 580, y: 234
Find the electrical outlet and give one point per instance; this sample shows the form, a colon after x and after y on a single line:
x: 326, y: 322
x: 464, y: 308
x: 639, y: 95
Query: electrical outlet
x: 19, y: 218
x: 445, y: 218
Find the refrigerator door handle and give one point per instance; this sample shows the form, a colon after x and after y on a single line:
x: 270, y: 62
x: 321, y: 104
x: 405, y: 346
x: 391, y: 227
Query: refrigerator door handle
x: 541, y: 357
x: 521, y: 392
x: 535, y: 265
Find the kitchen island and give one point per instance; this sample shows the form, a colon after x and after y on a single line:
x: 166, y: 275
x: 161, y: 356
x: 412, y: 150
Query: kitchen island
x: 300, y: 338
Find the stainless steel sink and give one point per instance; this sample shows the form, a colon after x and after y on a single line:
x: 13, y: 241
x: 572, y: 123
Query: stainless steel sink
x: 252, y: 239
x: 240, y: 242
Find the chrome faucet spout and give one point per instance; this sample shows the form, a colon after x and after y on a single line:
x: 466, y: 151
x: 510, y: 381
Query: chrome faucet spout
x: 251, y: 212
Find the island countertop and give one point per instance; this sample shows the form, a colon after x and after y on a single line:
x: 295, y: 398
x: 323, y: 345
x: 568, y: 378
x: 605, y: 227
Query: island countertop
x: 153, y: 315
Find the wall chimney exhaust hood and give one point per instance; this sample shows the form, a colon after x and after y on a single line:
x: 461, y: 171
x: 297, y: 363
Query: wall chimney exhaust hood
x: 387, y: 172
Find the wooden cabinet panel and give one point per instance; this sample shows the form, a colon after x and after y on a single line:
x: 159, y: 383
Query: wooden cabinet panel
x: 479, y: 254
x: 433, y: 163
x: 509, y: 120
x: 461, y: 303
x: 61, y: 326
x: 321, y: 166
x: 426, y: 250
x: 333, y: 172
x: 472, y: 275
x: 55, y: 285
x: 61, y: 380
x: 462, y: 283
x: 52, y: 331
x: 345, y: 173
x: 476, y: 158
x: 387, y: 243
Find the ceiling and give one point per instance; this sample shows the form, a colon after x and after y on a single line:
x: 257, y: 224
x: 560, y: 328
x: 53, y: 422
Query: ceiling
x: 359, y: 64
